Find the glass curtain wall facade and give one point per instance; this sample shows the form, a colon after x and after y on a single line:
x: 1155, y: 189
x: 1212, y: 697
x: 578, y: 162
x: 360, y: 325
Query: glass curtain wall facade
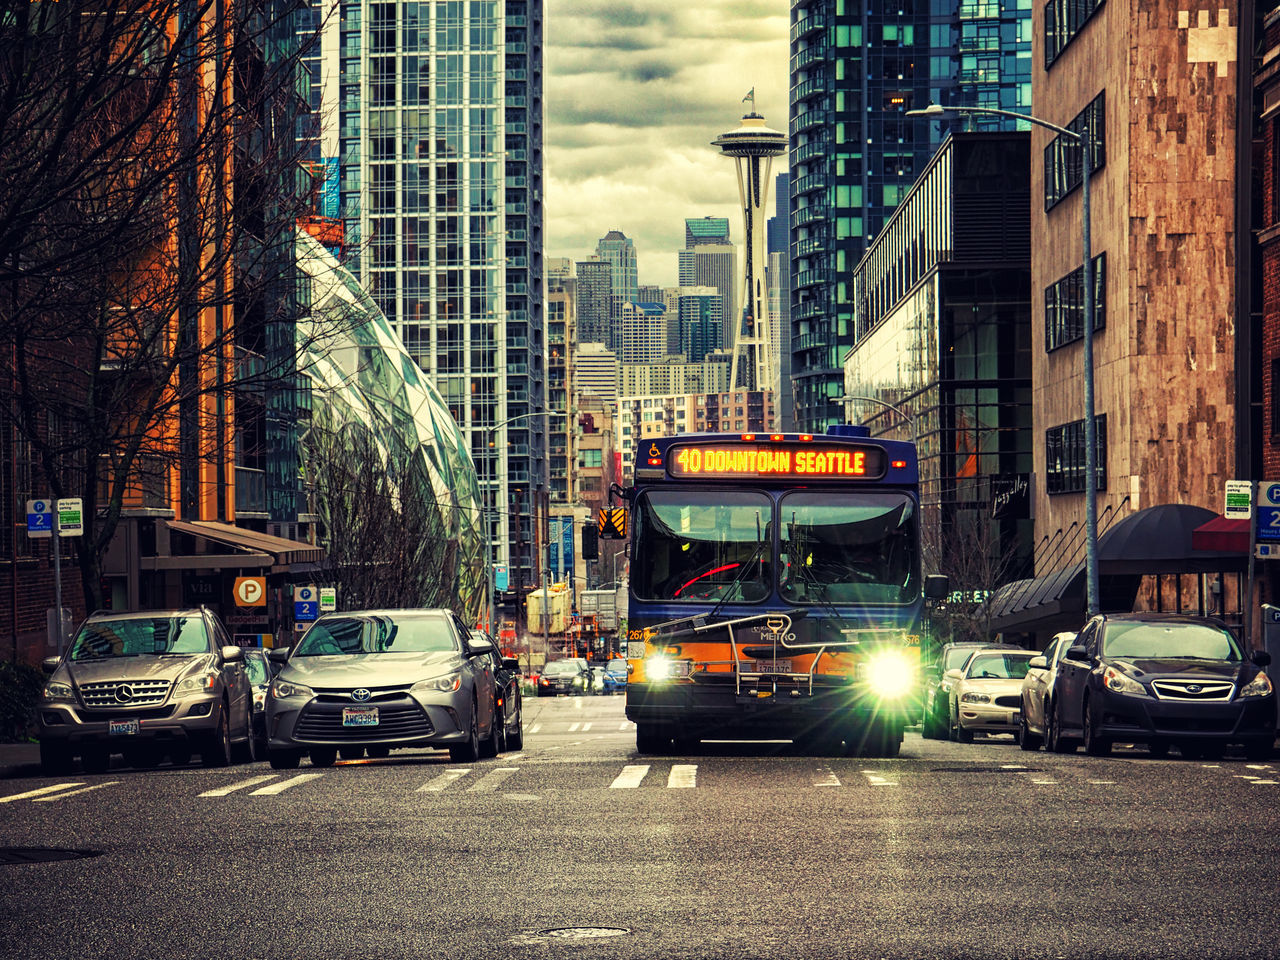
x: 430, y: 116
x: 856, y: 68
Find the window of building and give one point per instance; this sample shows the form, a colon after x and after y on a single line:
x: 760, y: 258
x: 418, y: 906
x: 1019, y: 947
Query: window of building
x: 1063, y: 19
x: 1275, y: 399
x: 589, y: 458
x: 1064, y: 305
x: 1064, y: 456
x: 1062, y: 157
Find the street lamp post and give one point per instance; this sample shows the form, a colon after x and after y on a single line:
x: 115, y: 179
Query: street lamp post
x: 492, y: 550
x: 915, y: 433
x: 1082, y: 140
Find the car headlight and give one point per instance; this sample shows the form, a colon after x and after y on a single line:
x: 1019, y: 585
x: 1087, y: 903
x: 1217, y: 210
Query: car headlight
x: 1118, y: 682
x: 1259, y: 686
x: 200, y: 683
x: 446, y: 684
x: 890, y: 674
x: 283, y: 688
x: 57, y: 690
x: 974, y: 698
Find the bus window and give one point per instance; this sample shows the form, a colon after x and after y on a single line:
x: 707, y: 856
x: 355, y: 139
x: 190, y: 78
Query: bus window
x: 848, y: 548
x: 702, y: 546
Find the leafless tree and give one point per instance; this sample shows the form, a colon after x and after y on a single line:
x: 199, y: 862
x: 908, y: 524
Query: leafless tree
x: 971, y: 552
x: 148, y: 200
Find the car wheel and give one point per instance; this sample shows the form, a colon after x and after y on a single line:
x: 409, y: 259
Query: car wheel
x: 323, y: 756
x: 873, y: 740
x: 1061, y: 744
x: 1158, y: 748
x: 351, y: 753
x: 1094, y: 745
x: 489, y: 745
x: 217, y: 745
x: 469, y: 750
x: 515, y: 736
x: 932, y: 727
x: 1258, y: 750
x: 247, y: 752
x: 95, y: 759
x: 55, y: 759
x: 651, y: 738
x: 964, y: 734
x: 260, y: 738
x: 181, y: 756
x: 500, y: 725
x: 1026, y: 739
x: 378, y: 752
x: 284, y: 759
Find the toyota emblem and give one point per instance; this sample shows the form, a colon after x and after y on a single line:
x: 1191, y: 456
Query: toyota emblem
x: 124, y: 693
x: 360, y: 695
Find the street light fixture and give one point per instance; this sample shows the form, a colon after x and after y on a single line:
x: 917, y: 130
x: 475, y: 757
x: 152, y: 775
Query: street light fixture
x: 936, y: 111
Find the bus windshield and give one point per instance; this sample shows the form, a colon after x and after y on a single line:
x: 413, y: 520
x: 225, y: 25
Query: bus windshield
x: 699, y: 546
x: 848, y: 548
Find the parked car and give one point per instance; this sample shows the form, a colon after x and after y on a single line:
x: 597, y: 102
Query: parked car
x: 615, y: 676
x: 569, y: 675
x: 936, y: 695
x: 374, y: 680
x: 1162, y: 679
x: 144, y: 685
x: 986, y: 695
x: 258, y: 669
x: 508, y: 703
x: 1036, y: 686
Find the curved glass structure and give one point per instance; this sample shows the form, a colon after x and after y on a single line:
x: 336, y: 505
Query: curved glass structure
x: 386, y: 465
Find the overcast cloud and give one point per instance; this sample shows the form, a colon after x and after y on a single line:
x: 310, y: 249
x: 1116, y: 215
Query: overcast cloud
x: 635, y: 92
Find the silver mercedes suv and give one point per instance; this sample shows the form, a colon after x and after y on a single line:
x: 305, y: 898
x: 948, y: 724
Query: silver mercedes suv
x: 145, y: 685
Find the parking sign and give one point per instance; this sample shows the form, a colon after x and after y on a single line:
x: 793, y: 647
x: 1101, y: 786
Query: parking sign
x: 39, y: 519
x: 306, y: 603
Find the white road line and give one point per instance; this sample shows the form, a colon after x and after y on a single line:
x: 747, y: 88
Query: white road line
x: 827, y: 777
x: 1044, y: 782
x: 1256, y: 783
x: 586, y: 726
x: 62, y: 796
x: 223, y: 791
x: 626, y: 725
x: 878, y: 781
x: 535, y: 728
x: 573, y: 727
x: 683, y: 776
x: 492, y: 779
x: 1100, y: 783
x: 630, y: 776
x: 442, y: 781
x: 281, y: 787
x: 42, y: 791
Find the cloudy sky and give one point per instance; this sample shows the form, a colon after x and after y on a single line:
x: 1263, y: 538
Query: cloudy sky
x: 635, y: 92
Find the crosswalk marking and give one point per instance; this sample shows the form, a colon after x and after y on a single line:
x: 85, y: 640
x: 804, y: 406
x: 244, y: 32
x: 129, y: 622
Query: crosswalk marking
x: 489, y: 782
x: 573, y: 727
x: 240, y: 785
x: 442, y: 781
x: 827, y: 777
x: 683, y: 776
x: 536, y: 728
x: 281, y: 787
x: 630, y: 776
x: 625, y: 725
x: 876, y: 780
x: 72, y: 793
x: 54, y: 788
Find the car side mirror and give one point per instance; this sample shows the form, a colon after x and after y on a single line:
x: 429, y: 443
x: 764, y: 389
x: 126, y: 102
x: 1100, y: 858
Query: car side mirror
x: 279, y: 655
x: 1077, y: 652
x: 936, y: 586
x: 1038, y: 663
x: 232, y: 654
x: 953, y: 675
x: 50, y: 664
x: 1261, y: 658
x: 478, y: 647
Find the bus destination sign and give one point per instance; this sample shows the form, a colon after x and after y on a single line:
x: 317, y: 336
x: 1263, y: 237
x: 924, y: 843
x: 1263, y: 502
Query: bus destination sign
x: 802, y: 461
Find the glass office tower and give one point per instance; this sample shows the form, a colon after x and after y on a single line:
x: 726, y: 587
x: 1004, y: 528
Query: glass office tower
x: 428, y: 141
x: 855, y: 71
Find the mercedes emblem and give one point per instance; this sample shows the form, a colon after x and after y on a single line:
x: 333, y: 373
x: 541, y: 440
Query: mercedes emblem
x: 124, y: 693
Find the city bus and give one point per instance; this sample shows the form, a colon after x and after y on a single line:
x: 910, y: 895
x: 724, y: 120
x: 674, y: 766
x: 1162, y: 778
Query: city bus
x: 776, y: 590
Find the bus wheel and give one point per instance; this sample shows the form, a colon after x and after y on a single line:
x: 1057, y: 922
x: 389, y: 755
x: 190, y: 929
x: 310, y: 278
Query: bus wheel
x: 651, y: 738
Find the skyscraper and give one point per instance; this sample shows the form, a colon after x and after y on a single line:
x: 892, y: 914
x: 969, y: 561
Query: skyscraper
x: 856, y: 70
x: 713, y: 265
x: 706, y: 230
x: 593, y: 302
x: 430, y: 119
x: 617, y: 250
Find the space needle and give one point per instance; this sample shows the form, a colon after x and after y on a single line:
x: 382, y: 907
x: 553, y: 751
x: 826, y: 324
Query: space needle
x: 750, y: 143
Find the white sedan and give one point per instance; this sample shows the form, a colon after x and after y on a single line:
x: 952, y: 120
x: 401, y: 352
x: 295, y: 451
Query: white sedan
x: 986, y: 694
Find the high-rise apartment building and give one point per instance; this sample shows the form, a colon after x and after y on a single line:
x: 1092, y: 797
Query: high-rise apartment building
x: 595, y: 371
x: 616, y: 249
x: 855, y: 71
x: 713, y: 265
x: 643, y: 333
x: 430, y: 130
x: 593, y: 302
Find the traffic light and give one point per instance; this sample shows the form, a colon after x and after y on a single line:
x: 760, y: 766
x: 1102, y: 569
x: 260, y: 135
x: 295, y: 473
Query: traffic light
x: 590, y: 542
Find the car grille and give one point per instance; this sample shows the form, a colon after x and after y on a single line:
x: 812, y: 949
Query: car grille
x: 150, y: 713
x: 123, y: 693
x: 1009, y: 701
x: 1202, y: 691
x: 402, y: 719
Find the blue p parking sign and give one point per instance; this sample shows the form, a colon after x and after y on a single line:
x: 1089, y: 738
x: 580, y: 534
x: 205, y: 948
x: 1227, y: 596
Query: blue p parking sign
x: 306, y: 603
x: 39, y: 518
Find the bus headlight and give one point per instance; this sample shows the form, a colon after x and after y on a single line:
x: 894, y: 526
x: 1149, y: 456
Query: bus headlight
x: 657, y: 669
x: 890, y: 674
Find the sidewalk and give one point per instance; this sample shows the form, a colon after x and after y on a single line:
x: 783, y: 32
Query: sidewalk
x: 19, y: 760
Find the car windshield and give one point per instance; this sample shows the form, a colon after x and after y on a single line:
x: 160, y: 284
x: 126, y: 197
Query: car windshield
x: 956, y: 657
x: 616, y: 667
x: 561, y: 666
x: 380, y: 634
x: 140, y: 637
x: 999, y: 666
x: 702, y: 546
x: 1147, y: 641
x: 256, y: 668
x: 848, y: 548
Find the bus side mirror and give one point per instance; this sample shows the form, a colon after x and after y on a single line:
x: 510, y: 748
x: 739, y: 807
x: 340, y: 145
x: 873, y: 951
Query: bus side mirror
x: 936, y: 586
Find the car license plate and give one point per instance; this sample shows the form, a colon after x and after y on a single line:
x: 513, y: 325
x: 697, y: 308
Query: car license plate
x: 773, y: 666
x: 359, y: 716
x: 123, y: 728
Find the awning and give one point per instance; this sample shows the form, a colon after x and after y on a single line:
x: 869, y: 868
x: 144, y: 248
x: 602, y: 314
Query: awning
x: 253, y: 549
x: 1026, y: 605
x: 1222, y: 535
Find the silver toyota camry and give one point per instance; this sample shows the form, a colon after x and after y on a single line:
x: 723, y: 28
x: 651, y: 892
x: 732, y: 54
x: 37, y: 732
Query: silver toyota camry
x: 366, y: 682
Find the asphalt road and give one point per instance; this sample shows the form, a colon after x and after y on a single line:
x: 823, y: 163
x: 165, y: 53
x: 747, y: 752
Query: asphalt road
x: 576, y: 847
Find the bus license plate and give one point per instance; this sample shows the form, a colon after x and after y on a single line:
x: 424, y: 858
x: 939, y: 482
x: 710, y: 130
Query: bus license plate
x: 359, y: 716
x: 773, y: 666
x: 122, y: 728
